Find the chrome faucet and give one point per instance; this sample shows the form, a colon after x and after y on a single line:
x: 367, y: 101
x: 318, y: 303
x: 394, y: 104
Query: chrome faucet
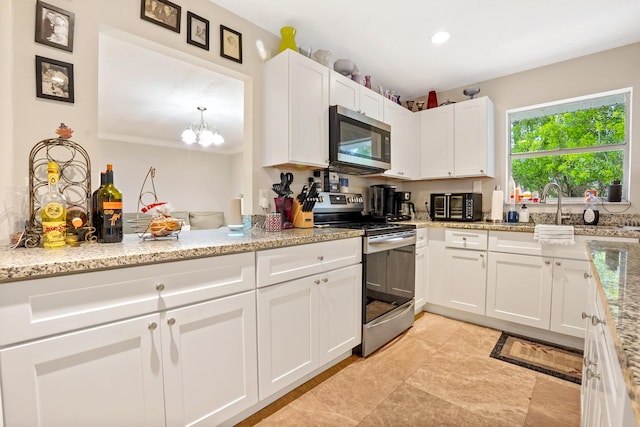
x: 544, y: 194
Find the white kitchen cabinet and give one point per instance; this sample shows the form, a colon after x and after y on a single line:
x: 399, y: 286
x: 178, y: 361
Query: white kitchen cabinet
x: 519, y: 289
x: 421, y: 268
x: 405, y: 141
x: 295, y: 125
x: 569, y: 296
x: 354, y: 96
x: 457, y: 277
x: 109, y: 375
x: 458, y: 140
x: 305, y: 323
x: 70, y: 351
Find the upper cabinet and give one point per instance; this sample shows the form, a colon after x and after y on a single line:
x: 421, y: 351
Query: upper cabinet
x: 458, y: 140
x: 352, y: 95
x: 405, y: 141
x: 295, y: 128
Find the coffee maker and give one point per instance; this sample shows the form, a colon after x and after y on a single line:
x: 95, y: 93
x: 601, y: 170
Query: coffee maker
x: 404, y: 207
x: 382, y: 200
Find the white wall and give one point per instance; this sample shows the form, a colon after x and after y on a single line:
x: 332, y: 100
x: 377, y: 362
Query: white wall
x: 25, y: 120
x: 612, y: 69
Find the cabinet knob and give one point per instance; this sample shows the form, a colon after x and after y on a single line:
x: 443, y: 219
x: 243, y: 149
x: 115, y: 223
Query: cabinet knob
x: 171, y: 321
x: 587, y: 276
x: 152, y: 326
x: 587, y: 362
x: 160, y: 287
x: 317, y: 281
x: 481, y: 255
x: 320, y: 258
x: 595, y: 321
x: 585, y: 316
x: 558, y: 263
x: 591, y: 374
x: 481, y: 171
x: 325, y: 280
x: 546, y: 261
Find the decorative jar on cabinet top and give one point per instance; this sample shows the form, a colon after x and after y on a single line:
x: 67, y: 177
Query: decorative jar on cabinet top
x: 288, y: 39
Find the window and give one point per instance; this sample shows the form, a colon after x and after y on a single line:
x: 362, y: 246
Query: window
x: 580, y: 143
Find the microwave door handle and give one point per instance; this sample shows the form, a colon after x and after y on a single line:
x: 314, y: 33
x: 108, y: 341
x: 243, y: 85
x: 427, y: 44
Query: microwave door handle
x: 446, y: 212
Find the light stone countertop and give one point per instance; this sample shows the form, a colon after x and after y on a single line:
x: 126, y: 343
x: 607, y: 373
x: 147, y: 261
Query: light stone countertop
x: 22, y: 263
x: 618, y: 283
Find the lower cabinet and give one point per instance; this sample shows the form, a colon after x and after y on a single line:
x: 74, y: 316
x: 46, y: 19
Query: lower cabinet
x: 421, y: 277
x: 193, y: 364
x: 569, y: 296
x: 305, y: 323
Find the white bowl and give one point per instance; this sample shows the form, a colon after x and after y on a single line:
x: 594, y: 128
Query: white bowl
x: 344, y: 66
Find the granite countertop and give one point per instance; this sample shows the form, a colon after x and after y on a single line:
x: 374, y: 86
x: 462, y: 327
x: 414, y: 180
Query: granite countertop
x: 618, y: 283
x: 21, y: 263
x: 579, y: 230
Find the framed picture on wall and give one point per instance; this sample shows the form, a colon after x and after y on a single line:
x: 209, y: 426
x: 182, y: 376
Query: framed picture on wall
x: 54, y: 79
x: 197, y: 31
x: 54, y: 26
x: 161, y: 12
x: 230, y: 44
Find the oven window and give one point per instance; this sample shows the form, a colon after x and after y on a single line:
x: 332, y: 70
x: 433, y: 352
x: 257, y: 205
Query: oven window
x: 358, y: 141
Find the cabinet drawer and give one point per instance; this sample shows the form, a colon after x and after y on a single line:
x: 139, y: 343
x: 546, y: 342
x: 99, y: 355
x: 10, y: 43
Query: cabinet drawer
x: 35, y: 308
x: 465, y: 239
x: 281, y: 264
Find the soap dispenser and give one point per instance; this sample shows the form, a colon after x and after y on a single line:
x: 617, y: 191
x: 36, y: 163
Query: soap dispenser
x: 590, y: 215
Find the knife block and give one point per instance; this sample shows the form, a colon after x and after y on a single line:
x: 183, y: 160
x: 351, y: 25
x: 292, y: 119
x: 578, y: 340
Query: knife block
x: 301, y: 219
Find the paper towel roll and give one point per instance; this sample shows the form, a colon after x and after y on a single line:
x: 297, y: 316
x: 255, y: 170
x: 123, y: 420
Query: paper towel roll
x: 235, y: 212
x: 497, y: 205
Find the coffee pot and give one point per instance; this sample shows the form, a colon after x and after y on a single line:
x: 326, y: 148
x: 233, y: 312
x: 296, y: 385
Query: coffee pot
x: 404, y: 207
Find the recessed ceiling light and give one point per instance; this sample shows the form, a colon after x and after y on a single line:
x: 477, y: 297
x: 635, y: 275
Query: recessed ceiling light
x: 440, y: 37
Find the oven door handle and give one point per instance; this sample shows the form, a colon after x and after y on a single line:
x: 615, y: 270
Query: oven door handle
x: 410, y: 307
x: 390, y: 240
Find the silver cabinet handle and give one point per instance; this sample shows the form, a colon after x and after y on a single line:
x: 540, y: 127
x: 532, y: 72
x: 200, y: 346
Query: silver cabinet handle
x: 585, y: 316
x: 591, y: 374
x: 317, y: 281
x: 160, y: 287
x: 558, y: 263
x: 586, y: 362
x: 171, y: 321
x: 595, y: 321
x: 320, y: 258
x: 587, y: 276
x: 152, y: 326
x: 481, y: 255
x: 325, y: 280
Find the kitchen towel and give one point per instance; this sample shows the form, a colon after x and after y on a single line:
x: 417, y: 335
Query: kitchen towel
x: 554, y: 234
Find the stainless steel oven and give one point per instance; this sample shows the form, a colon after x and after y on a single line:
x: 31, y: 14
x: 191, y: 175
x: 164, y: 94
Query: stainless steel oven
x: 388, y: 264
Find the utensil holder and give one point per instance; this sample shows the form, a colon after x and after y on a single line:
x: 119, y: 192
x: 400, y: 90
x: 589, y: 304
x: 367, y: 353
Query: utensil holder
x: 284, y: 206
x: 301, y: 219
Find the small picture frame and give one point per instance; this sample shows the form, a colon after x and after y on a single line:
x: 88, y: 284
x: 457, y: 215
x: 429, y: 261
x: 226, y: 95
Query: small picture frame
x: 54, y: 26
x: 230, y: 44
x: 161, y: 12
x: 54, y: 79
x: 197, y: 31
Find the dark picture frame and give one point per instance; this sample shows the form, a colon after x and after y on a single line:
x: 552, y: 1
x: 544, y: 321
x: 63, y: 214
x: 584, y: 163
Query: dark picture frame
x: 54, y: 80
x: 161, y: 12
x: 230, y: 44
x: 54, y: 26
x: 197, y: 30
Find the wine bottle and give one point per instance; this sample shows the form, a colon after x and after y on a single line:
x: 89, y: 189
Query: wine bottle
x: 76, y: 218
x: 94, y: 203
x: 109, y: 211
x: 54, y: 211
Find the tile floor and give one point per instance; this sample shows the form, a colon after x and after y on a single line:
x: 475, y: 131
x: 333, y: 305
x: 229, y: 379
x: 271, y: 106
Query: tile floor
x: 438, y: 373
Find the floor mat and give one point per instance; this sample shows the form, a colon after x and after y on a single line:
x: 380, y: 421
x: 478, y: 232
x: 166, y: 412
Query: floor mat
x: 551, y: 359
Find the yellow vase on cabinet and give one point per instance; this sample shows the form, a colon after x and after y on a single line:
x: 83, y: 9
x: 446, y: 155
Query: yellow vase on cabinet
x: 288, y: 39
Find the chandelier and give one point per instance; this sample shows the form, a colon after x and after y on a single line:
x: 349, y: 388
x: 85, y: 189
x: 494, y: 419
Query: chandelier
x: 200, y: 133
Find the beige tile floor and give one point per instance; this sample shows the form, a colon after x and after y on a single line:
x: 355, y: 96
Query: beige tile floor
x: 438, y: 373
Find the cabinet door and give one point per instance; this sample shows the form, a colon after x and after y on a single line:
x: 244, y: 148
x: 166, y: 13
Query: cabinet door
x: 474, y: 139
x: 437, y: 274
x: 569, y: 296
x: 309, y: 111
x: 287, y: 333
x: 372, y: 104
x: 467, y: 280
x: 105, y: 376
x: 340, y: 312
x: 343, y: 91
x: 210, y: 360
x: 519, y: 289
x: 421, y: 278
x: 405, y: 141
x: 437, y: 139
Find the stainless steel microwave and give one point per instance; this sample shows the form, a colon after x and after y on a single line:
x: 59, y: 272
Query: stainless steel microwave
x: 358, y: 144
x: 456, y: 207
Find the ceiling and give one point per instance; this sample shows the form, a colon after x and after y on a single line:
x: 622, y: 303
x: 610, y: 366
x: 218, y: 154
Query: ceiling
x: 149, y: 97
x: 390, y: 40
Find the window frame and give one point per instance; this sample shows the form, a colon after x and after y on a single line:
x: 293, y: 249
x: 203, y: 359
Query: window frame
x: 626, y: 146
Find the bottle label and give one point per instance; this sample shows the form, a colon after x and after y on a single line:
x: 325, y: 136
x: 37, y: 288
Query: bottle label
x: 112, y: 205
x: 54, y: 233
x: 54, y: 210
